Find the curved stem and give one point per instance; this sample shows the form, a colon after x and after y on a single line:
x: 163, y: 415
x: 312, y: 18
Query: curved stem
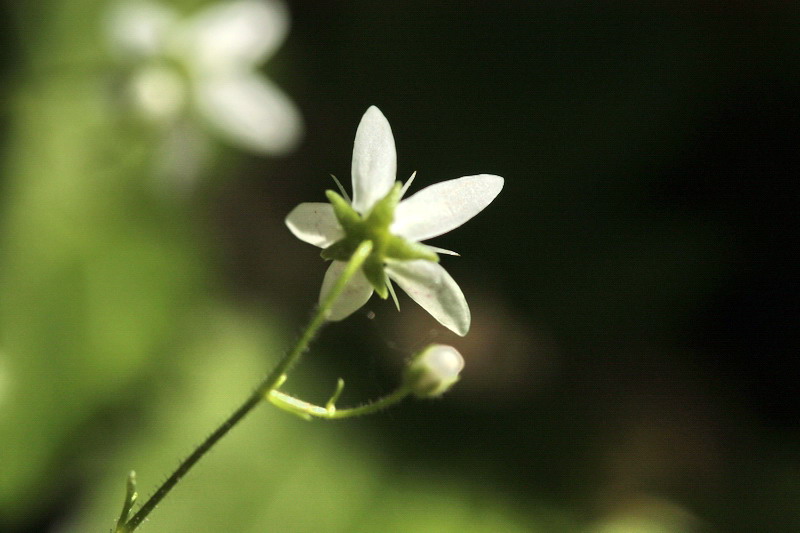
x: 309, y: 410
x: 273, y: 379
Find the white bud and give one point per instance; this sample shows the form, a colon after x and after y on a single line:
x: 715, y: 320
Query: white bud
x: 434, y: 370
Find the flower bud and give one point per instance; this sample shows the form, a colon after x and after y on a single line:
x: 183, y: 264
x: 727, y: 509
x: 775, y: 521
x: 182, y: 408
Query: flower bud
x: 434, y: 370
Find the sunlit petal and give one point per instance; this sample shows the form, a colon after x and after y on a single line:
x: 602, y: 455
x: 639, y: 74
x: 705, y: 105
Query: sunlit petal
x: 430, y: 285
x: 444, y: 206
x: 374, y: 160
x: 315, y: 223
x: 354, y: 296
x: 231, y: 35
x: 250, y: 111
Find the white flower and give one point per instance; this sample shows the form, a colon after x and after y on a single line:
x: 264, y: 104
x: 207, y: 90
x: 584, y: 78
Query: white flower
x: 434, y: 370
x: 395, y: 228
x: 209, y: 62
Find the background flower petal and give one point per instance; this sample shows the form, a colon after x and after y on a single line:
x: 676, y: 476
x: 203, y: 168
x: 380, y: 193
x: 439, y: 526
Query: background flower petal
x: 139, y: 28
x: 444, y: 206
x: 250, y: 111
x: 315, y: 223
x: 355, y: 294
x: 430, y: 285
x: 374, y: 160
x: 232, y: 35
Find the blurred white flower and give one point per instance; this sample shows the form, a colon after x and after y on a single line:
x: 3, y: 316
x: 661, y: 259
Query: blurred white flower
x: 394, y: 227
x: 207, y: 64
x: 434, y: 370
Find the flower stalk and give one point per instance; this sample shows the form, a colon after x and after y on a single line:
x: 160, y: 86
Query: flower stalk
x: 307, y: 411
x: 273, y: 380
x: 372, y: 240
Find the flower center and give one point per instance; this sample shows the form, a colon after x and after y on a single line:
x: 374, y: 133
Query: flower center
x: 374, y: 226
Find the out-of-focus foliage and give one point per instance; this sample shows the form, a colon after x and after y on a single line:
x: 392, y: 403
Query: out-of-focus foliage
x: 96, y: 278
x: 630, y: 367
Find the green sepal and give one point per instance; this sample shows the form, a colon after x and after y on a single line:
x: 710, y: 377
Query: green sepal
x: 374, y: 227
x: 403, y: 250
x: 345, y: 214
x: 340, y: 250
x: 352, y: 224
x: 392, y: 293
x: 374, y: 272
x: 382, y: 213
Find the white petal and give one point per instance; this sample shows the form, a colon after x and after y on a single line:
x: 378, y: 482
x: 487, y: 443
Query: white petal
x: 315, y: 223
x: 139, y: 28
x: 250, y: 111
x: 374, y: 160
x: 232, y: 35
x: 430, y: 285
x: 444, y: 206
x: 355, y: 294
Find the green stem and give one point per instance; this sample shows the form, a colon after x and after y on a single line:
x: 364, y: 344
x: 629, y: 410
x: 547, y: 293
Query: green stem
x: 309, y: 410
x: 275, y: 377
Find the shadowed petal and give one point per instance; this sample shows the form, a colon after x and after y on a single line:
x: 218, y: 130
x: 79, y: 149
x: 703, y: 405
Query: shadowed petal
x: 444, y: 206
x: 315, y: 223
x: 232, y: 35
x: 374, y: 160
x: 430, y: 285
x: 354, y: 296
x: 250, y: 111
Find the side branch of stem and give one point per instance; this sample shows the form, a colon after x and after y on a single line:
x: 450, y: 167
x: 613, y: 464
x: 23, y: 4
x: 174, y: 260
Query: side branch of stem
x: 309, y: 410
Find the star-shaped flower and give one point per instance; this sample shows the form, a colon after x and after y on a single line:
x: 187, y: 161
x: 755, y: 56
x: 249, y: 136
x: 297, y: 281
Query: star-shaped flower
x: 207, y: 64
x: 395, y: 228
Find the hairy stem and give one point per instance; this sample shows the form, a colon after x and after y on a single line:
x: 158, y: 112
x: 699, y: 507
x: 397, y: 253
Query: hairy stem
x: 309, y: 410
x: 273, y: 380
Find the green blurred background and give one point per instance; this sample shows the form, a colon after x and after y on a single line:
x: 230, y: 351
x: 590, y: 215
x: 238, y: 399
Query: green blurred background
x: 631, y: 365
